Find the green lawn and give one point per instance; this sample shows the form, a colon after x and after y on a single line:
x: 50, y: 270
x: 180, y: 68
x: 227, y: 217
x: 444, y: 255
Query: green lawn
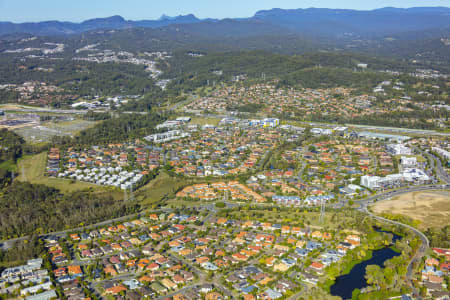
x: 8, y: 165
x: 332, y: 220
x: 162, y: 187
x: 179, y: 203
x: 204, y: 121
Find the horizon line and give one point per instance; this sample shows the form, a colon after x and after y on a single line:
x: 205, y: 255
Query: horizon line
x: 204, y: 18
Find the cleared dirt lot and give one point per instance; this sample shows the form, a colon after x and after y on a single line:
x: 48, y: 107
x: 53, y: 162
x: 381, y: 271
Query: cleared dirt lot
x: 432, y: 208
x: 47, y: 130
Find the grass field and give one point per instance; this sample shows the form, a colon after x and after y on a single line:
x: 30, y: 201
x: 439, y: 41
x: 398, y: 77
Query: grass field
x: 9, y: 165
x: 32, y: 169
x: 204, y: 121
x: 332, y: 220
x: 419, y: 158
x: 10, y: 106
x: 175, y: 202
x: 431, y: 208
x: 162, y: 187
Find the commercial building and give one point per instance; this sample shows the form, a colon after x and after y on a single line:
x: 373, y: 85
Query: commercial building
x: 341, y: 131
x: 268, y: 122
x: 371, y: 182
x: 409, y: 175
x: 383, y: 136
x: 408, y: 162
x: 166, y: 136
x: 321, y: 131
x: 398, y: 149
x: 442, y: 152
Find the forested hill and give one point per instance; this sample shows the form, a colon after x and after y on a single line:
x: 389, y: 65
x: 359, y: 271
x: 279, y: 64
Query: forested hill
x: 423, y: 46
x: 419, y: 34
x: 253, y: 63
x: 309, y: 70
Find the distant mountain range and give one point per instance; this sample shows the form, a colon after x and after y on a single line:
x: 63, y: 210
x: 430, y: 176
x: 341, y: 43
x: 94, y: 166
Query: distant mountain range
x: 336, y: 23
x: 114, y: 22
x: 379, y: 22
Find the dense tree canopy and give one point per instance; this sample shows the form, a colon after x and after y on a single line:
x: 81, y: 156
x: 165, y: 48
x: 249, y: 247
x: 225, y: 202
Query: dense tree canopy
x: 11, y: 145
x: 26, y: 208
x: 439, y: 237
x: 120, y: 128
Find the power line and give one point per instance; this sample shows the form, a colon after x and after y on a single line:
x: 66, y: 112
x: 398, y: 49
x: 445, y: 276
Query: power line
x: 24, y: 173
x: 322, y: 210
x: 125, y: 195
x: 132, y: 194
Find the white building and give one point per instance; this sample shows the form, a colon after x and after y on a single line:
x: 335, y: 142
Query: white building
x: 409, y: 175
x: 355, y: 187
x: 351, y: 189
x: 32, y: 264
x: 83, y: 105
x: 168, y: 124
x: 166, y: 136
x: 442, y: 152
x: 392, y: 179
x: 371, y: 182
x: 408, y: 162
x: 321, y: 131
x: 36, y: 288
x: 398, y: 149
x: 43, y: 296
x: 270, y: 122
x: 415, y: 175
x: 342, y: 131
x: 378, y: 89
x: 183, y: 119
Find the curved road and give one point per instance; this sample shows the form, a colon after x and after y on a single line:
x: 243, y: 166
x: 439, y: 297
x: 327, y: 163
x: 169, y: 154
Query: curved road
x: 420, y: 252
x: 304, y: 289
x: 363, y: 208
x: 6, y: 244
x: 425, y: 242
x: 436, y: 164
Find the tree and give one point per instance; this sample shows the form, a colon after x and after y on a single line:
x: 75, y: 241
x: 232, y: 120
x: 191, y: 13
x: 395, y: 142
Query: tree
x: 389, y: 275
x: 220, y: 204
x: 374, y: 275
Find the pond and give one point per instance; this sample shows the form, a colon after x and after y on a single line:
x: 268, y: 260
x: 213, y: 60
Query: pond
x: 346, y: 284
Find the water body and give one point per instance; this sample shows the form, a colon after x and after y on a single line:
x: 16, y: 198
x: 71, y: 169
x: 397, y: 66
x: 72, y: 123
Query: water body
x: 346, y: 284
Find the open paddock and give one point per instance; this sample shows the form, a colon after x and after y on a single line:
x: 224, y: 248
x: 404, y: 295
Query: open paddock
x: 431, y: 208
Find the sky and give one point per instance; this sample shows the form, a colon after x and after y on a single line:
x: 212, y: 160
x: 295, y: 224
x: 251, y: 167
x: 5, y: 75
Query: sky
x: 80, y: 10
